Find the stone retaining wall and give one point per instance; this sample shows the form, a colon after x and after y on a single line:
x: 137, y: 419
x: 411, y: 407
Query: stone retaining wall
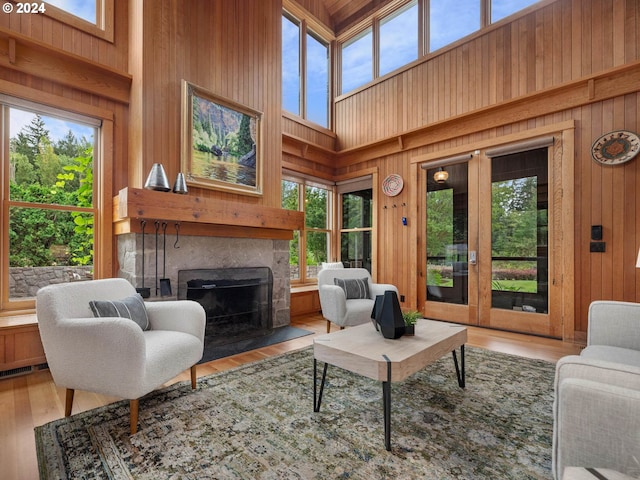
x: 24, y: 282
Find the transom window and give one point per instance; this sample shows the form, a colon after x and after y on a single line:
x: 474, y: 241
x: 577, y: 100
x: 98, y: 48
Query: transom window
x: 393, y: 39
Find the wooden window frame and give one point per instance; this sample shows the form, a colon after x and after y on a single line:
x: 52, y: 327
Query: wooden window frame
x: 310, y: 26
x: 102, y: 187
x: 104, y: 26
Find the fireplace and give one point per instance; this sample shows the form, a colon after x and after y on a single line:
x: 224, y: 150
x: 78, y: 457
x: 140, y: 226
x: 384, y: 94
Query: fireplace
x: 237, y: 301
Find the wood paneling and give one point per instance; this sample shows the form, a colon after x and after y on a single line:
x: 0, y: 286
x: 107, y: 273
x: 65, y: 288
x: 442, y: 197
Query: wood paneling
x: 232, y: 49
x: 511, y: 61
x: 517, y: 76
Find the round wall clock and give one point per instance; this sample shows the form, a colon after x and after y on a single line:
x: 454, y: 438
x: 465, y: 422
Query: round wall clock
x: 392, y: 185
x: 616, y: 147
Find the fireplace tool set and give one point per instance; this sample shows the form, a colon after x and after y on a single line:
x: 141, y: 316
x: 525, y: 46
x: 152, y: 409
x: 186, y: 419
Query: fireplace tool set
x: 157, y: 180
x: 162, y: 285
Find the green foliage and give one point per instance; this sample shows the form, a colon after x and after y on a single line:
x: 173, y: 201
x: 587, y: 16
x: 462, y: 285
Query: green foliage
x: 411, y: 317
x: 33, y: 231
x: 50, y: 174
x: 514, y: 218
x: 245, y: 142
x: 439, y: 221
x: 81, y: 245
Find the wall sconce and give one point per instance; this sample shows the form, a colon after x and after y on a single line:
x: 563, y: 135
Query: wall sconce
x: 638, y: 260
x: 441, y: 175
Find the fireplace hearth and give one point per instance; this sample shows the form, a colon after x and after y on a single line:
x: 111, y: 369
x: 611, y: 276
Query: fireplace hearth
x: 237, y: 301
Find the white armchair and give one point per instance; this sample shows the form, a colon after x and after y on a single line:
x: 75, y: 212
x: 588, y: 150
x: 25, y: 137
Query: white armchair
x: 339, y: 309
x: 113, y: 355
x: 597, y: 397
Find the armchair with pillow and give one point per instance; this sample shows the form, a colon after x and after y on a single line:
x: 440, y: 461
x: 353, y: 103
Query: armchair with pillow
x: 101, y: 337
x: 347, y: 295
x: 597, y: 399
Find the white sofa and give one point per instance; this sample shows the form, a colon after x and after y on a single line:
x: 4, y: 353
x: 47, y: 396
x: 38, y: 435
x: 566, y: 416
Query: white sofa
x: 597, y: 397
x: 113, y: 355
x: 339, y: 309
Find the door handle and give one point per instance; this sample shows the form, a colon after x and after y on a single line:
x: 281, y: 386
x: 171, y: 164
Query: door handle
x: 472, y: 257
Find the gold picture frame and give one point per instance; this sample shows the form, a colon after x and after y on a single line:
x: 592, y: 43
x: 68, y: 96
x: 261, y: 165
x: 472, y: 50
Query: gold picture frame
x: 221, y: 142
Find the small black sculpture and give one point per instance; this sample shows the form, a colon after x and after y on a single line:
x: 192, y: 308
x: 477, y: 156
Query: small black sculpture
x: 387, y: 315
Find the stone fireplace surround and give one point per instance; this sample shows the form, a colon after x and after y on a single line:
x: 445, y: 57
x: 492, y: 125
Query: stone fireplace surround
x: 197, y: 252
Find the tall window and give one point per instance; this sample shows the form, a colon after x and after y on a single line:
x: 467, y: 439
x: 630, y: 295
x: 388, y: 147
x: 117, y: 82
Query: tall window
x: 356, y: 228
x: 310, y: 247
x: 305, y: 71
x: 49, y: 211
x: 291, y: 64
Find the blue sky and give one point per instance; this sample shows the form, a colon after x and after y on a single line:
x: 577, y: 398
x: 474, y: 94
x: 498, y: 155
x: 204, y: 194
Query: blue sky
x: 57, y: 128
x: 85, y: 9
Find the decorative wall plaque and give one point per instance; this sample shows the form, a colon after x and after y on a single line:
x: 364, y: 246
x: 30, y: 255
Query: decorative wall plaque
x: 616, y: 147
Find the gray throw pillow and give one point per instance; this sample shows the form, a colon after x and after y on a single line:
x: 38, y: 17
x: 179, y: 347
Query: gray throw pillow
x: 131, y: 307
x: 354, y: 288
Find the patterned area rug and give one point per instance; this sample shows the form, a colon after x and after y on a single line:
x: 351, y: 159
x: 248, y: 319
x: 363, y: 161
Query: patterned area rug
x: 257, y: 422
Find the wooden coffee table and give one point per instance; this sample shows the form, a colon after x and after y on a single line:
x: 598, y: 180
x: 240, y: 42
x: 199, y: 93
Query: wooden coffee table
x: 364, y: 351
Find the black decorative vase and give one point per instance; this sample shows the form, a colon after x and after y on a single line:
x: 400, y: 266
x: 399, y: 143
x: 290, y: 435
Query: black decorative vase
x: 387, y: 315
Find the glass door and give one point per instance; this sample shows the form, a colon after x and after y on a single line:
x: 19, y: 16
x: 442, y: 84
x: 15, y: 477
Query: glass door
x: 517, y: 265
x: 447, y: 243
x: 487, y: 252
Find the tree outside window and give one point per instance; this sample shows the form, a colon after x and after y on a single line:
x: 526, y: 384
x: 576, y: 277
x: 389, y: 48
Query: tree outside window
x: 310, y: 247
x: 50, y: 226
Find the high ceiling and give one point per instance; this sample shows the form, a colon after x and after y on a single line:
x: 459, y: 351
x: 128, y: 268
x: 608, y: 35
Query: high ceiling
x: 346, y: 12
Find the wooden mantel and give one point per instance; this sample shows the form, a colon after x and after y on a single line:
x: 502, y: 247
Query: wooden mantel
x: 202, y: 216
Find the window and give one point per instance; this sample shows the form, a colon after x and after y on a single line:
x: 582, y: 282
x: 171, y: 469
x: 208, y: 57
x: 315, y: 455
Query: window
x: 92, y: 16
x: 290, y: 64
x: 399, y: 38
x: 317, y: 91
x: 85, y: 9
x: 357, y: 61
x: 442, y: 31
x: 310, y: 247
x: 48, y: 226
x: 396, y: 36
x: 356, y: 228
x: 305, y: 71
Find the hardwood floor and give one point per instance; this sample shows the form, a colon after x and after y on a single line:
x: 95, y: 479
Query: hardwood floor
x: 31, y: 400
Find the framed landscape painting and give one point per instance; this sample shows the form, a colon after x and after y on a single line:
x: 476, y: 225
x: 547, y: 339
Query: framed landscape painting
x: 220, y: 142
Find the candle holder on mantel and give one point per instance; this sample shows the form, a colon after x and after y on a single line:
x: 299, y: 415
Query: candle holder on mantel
x: 157, y: 179
x: 181, y: 185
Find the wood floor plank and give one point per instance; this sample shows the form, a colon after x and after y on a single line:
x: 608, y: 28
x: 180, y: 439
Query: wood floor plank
x: 33, y: 399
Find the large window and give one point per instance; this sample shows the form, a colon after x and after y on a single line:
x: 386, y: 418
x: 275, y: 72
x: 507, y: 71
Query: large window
x: 310, y: 247
x: 49, y: 211
x: 393, y: 40
x: 305, y: 71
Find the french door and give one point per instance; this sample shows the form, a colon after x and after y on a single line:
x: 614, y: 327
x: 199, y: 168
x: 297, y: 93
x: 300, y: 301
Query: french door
x: 486, y: 250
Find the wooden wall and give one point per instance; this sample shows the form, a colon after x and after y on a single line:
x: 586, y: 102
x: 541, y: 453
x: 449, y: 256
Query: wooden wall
x: 233, y: 50
x: 63, y: 77
x: 555, y: 45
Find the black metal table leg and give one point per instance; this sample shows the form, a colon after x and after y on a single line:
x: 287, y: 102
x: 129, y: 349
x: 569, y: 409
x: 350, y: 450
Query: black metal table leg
x: 317, y: 399
x: 459, y: 370
x: 386, y: 405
